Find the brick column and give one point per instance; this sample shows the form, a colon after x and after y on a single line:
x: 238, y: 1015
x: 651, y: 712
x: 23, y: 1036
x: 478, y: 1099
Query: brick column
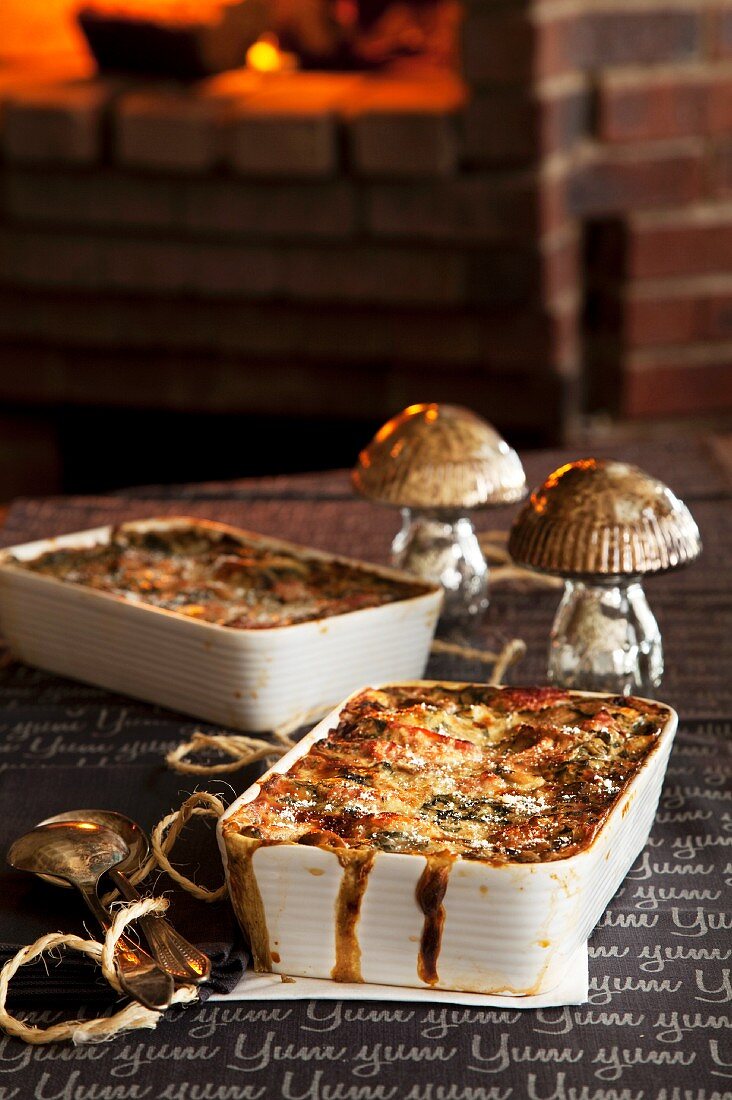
x: 652, y: 183
x: 626, y: 110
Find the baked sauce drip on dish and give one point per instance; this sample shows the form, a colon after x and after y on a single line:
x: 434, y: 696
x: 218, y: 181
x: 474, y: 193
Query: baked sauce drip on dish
x: 502, y: 775
x: 430, y: 893
x: 218, y: 577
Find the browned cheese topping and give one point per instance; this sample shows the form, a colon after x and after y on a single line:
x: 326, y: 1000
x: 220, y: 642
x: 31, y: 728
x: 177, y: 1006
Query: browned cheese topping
x: 494, y: 774
x: 218, y: 577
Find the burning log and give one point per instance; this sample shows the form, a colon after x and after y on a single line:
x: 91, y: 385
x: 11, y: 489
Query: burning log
x: 186, y: 39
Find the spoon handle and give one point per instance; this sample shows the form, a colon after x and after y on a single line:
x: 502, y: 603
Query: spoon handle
x: 139, y: 975
x: 174, y: 953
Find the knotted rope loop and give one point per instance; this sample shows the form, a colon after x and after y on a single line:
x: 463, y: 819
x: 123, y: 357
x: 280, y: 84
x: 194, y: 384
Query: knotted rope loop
x: 124, y: 916
x: 130, y: 1018
x: 167, y: 831
x: 243, y: 750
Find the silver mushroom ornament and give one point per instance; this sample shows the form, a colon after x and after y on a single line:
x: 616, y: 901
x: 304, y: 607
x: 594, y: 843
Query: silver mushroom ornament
x: 603, y: 526
x: 438, y: 463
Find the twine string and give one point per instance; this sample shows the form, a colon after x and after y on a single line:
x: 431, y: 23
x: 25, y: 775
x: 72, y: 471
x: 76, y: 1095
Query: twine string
x: 523, y: 579
x: 163, y: 839
x: 511, y: 652
x: 167, y: 831
x: 242, y: 750
x: 493, y: 545
x: 130, y: 1018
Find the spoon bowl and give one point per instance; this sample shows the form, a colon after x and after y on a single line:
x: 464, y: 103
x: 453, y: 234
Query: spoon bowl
x: 124, y: 827
x: 75, y: 852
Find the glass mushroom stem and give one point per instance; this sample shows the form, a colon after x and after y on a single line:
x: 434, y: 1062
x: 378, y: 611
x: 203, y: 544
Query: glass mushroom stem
x: 444, y: 547
x: 605, y: 638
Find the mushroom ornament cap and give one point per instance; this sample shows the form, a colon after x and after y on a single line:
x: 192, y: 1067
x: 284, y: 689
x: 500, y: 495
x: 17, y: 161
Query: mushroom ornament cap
x: 603, y: 518
x: 434, y: 456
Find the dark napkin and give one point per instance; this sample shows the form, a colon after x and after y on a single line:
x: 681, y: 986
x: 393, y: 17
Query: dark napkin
x: 30, y: 908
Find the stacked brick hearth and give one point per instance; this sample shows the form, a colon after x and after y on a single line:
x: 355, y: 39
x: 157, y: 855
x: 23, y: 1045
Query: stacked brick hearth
x: 549, y: 234
x: 654, y: 190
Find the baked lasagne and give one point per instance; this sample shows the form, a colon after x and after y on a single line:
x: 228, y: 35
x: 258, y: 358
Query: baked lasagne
x: 215, y: 575
x: 496, y: 774
x: 448, y: 772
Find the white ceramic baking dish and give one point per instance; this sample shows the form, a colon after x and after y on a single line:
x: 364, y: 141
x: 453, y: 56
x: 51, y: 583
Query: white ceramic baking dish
x: 252, y: 680
x: 508, y: 929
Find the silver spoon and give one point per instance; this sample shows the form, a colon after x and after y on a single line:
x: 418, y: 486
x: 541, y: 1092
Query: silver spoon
x: 80, y: 852
x: 174, y: 953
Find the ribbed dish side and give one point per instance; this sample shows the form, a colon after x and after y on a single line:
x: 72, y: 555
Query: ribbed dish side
x: 245, y: 680
x: 491, y: 941
x: 616, y: 851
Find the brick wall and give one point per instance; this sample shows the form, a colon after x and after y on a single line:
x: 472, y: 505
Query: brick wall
x: 277, y: 235
x: 628, y: 105
x: 554, y: 229
x: 650, y: 184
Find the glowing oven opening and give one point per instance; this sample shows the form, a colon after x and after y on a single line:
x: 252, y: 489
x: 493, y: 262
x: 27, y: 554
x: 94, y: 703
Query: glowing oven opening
x: 195, y: 38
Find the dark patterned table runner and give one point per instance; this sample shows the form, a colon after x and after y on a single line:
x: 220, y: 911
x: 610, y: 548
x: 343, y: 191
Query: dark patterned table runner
x: 658, y: 1023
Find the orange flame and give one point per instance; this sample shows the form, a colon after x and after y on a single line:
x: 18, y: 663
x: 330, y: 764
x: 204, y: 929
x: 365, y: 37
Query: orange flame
x: 265, y: 56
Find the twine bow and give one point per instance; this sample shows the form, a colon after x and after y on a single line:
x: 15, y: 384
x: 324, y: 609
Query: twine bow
x: 133, y: 1016
x: 130, y: 1018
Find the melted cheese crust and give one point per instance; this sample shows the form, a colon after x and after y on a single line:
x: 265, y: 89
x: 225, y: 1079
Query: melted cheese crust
x: 223, y: 578
x: 499, y: 775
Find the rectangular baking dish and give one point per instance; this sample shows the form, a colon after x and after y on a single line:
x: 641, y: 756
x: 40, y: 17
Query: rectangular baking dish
x: 252, y: 680
x: 508, y: 929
